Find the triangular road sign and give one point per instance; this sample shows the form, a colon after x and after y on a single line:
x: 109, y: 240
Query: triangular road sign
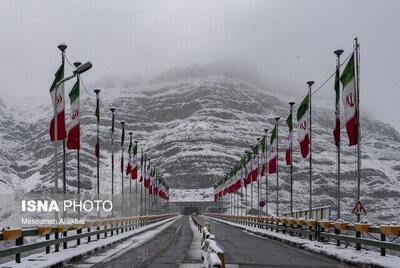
x: 359, y: 208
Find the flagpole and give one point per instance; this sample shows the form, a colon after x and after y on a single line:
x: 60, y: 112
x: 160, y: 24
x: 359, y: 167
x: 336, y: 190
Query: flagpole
x: 77, y: 64
x: 122, y: 167
x: 130, y: 180
x: 277, y: 165
x: 141, y: 185
x: 291, y: 161
x: 258, y: 178
x: 112, y: 155
x: 241, y: 190
x: 251, y: 178
x: 62, y: 48
x: 97, y: 91
x: 245, y: 173
x: 310, y: 83
x: 266, y: 172
x: 136, y: 183
x: 357, y: 81
x: 144, y: 181
x: 338, y: 53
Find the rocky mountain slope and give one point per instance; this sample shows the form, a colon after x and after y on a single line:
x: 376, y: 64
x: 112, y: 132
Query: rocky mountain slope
x: 195, y: 123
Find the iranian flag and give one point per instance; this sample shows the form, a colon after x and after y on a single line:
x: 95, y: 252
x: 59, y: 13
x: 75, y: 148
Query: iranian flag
x: 272, y: 156
x: 254, y: 170
x: 59, y: 102
x: 349, y: 100
x: 303, y: 121
x: 73, y: 133
x: 142, y: 168
x: 336, y: 129
x: 289, y: 123
x: 134, y: 172
x: 129, y: 166
x: 263, y: 160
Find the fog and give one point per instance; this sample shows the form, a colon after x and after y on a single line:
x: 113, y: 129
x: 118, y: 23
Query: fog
x: 287, y: 42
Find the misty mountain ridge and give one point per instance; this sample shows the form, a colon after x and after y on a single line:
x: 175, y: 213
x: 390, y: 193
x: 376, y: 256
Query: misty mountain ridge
x: 195, y: 123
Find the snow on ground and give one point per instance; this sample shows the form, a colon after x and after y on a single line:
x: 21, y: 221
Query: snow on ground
x: 46, y: 260
x: 340, y: 253
x: 189, y: 195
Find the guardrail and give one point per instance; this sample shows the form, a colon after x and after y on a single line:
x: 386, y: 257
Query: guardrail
x: 61, y: 233
x: 323, y: 230
x: 214, y: 256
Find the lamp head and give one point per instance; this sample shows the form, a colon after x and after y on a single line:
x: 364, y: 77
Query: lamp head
x: 310, y: 83
x: 62, y: 47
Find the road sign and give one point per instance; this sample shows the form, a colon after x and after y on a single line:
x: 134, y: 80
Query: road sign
x: 359, y: 208
x: 261, y: 204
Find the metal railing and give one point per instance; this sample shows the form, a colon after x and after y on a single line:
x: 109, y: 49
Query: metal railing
x: 380, y: 237
x: 62, y: 233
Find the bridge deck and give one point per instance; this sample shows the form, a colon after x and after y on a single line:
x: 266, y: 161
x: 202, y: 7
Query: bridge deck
x: 172, y: 248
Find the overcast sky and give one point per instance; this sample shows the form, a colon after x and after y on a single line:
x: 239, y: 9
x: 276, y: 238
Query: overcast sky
x: 286, y: 41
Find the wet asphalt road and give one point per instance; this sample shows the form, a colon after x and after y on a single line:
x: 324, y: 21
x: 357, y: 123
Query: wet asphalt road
x: 166, y: 250
x: 248, y: 250
x: 171, y: 249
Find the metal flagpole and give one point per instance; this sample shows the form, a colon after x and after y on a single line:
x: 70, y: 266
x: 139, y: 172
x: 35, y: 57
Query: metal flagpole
x: 136, y: 182
x: 241, y: 190
x: 357, y: 84
x: 291, y: 160
x: 141, y: 185
x: 77, y: 64
x: 258, y: 178
x: 112, y: 155
x: 144, y: 181
x: 338, y: 53
x: 62, y: 48
x: 245, y: 173
x: 130, y: 179
x: 266, y: 173
x: 251, y: 183
x: 310, y: 83
x: 122, y: 167
x: 277, y: 166
x: 97, y: 91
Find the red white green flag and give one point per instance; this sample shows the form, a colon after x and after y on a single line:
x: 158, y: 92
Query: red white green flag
x: 272, y: 156
x: 134, y: 172
x: 303, y: 130
x: 59, y: 103
x: 336, y: 129
x: 73, y: 140
x: 263, y: 159
x: 289, y: 123
x: 349, y: 100
x: 129, y: 166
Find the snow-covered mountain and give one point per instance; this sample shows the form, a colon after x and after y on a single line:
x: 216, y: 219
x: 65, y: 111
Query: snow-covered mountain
x: 195, y: 123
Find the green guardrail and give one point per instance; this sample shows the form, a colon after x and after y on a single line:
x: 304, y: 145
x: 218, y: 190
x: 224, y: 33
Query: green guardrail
x: 382, y: 237
x: 62, y: 233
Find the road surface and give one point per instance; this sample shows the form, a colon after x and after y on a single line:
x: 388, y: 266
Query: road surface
x: 252, y: 251
x: 171, y: 248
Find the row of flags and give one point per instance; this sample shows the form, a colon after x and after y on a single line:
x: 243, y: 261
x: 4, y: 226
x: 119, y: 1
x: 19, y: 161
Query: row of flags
x: 246, y: 170
x: 152, y: 180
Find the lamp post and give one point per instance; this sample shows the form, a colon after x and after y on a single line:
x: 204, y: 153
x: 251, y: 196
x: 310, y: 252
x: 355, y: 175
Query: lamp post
x: 291, y: 158
x: 310, y: 83
x: 122, y: 167
x: 277, y: 165
x: 337, y: 113
x: 112, y: 154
